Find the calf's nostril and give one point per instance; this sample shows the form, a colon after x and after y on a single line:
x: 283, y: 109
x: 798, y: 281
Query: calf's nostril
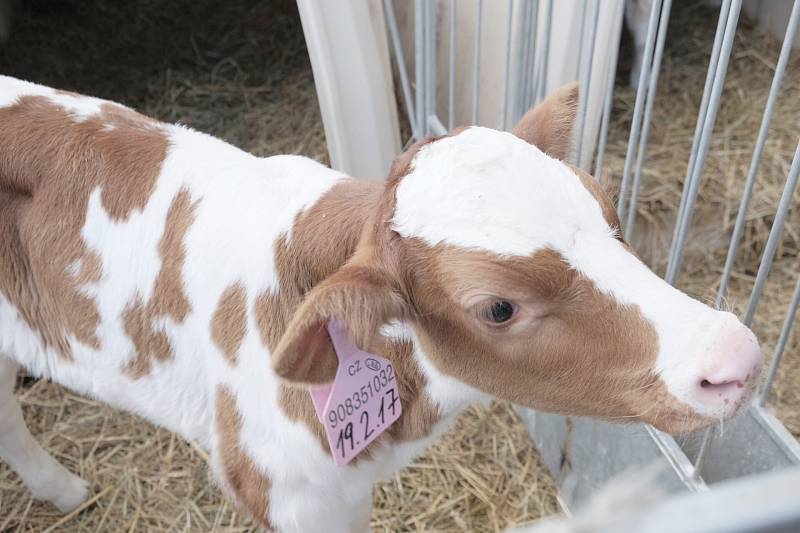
x: 721, y: 385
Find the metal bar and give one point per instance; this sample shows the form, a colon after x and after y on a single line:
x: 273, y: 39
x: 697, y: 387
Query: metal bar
x: 791, y: 312
x: 525, y: 57
x: 430, y: 58
x: 638, y: 107
x: 507, y: 65
x: 705, y: 139
x: 419, y: 65
x: 435, y: 125
x: 476, y: 89
x: 391, y: 22
x: 451, y: 86
x: 648, y: 114
x: 774, y: 237
x: 522, y: 50
x: 586, y: 76
x: 724, y: 11
x: 774, y: 91
x: 677, y: 459
x: 541, y: 63
x: 609, y: 96
x: 532, y: 47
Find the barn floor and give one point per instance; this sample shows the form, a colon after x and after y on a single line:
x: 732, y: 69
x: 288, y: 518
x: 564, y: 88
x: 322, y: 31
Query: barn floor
x: 239, y: 70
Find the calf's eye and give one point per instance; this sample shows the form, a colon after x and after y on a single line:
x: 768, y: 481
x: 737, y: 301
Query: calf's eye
x: 499, y: 312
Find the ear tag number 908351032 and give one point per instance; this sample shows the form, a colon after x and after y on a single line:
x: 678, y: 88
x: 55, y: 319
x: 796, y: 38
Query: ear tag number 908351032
x: 361, y: 403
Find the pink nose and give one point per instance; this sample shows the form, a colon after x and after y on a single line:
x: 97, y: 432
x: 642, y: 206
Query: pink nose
x: 736, y: 364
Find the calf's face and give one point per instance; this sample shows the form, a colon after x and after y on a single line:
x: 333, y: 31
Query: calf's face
x: 510, y: 268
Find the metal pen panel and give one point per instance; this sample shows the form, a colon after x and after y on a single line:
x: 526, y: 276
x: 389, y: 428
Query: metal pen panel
x: 507, y: 65
x: 419, y: 65
x: 608, y: 99
x: 397, y: 46
x: 451, y: 85
x: 430, y: 60
x: 638, y: 107
x: 585, y: 80
x: 698, y: 129
x: 544, y: 50
x: 705, y: 140
x: 476, y: 87
x: 774, y: 236
x: 648, y: 114
x: 774, y: 90
x: 786, y: 329
x: 533, y: 39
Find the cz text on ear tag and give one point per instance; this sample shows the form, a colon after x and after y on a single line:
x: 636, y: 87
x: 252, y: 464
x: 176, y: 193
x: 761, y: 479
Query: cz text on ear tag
x: 361, y: 403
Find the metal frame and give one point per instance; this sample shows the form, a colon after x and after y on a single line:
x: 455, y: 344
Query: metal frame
x: 755, y: 442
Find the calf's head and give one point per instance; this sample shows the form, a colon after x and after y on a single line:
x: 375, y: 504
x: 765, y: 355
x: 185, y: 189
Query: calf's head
x: 509, y: 267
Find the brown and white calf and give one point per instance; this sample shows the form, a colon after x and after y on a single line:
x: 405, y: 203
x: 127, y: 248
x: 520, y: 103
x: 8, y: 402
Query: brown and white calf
x: 168, y: 273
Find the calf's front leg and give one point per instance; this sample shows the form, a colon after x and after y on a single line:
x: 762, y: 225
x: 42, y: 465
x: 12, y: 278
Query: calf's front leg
x: 44, y: 476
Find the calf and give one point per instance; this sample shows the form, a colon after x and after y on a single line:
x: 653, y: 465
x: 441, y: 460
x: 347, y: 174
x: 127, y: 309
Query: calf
x: 170, y: 274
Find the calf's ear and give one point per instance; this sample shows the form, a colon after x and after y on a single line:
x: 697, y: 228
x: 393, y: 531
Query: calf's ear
x: 548, y: 125
x: 361, y: 298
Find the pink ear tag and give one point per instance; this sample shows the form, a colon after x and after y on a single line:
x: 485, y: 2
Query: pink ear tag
x: 361, y: 403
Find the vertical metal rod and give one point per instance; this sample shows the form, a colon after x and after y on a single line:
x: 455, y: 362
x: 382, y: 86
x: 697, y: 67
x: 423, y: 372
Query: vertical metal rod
x: 430, y: 61
x: 532, y: 47
x: 419, y: 65
x: 530, y: 30
x: 544, y: 50
x: 391, y: 22
x: 791, y: 312
x: 774, y: 91
x: 525, y: 57
x: 638, y: 107
x: 586, y: 76
x: 451, y: 86
x: 507, y: 65
x: 724, y: 11
x: 774, y: 237
x: 581, y: 33
x: 705, y: 140
x: 476, y: 89
x: 608, y: 99
x: 648, y: 114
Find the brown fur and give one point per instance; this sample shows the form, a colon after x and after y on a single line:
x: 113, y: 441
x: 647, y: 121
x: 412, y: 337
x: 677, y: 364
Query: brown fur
x: 549, y: 124
x: 324, y: 238
x: 248, y: 483
x: 168, y: 296
x: 49, y: 165
x: 229, y: 323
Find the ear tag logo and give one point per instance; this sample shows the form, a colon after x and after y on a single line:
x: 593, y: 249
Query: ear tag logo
x: 361, y: 403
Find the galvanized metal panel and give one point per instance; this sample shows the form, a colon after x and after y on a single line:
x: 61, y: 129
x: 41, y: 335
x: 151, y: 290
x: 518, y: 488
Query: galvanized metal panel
x: 583, y: 454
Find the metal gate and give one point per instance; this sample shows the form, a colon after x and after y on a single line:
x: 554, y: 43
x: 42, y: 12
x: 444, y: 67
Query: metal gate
x: 581, y: 453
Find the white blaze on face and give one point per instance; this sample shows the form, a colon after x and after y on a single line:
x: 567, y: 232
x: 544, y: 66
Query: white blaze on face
x: 489, y: 190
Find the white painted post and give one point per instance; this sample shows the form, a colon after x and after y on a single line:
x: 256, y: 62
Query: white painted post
x: 349, y: 53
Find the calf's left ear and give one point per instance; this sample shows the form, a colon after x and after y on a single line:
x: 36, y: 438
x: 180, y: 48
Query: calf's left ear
x: 361, y: 298
x: 548, y: 125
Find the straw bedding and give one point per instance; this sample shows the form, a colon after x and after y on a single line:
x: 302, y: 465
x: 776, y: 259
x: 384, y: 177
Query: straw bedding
x: 240, y: 71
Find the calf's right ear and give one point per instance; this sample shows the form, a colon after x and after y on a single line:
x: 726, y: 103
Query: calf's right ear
x: 361, y: 298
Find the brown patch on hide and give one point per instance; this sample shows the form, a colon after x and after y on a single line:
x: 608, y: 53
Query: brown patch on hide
x: 229, y: 323
x: 247, y: 482
x: 50, y: 164
x: 168, y: 297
